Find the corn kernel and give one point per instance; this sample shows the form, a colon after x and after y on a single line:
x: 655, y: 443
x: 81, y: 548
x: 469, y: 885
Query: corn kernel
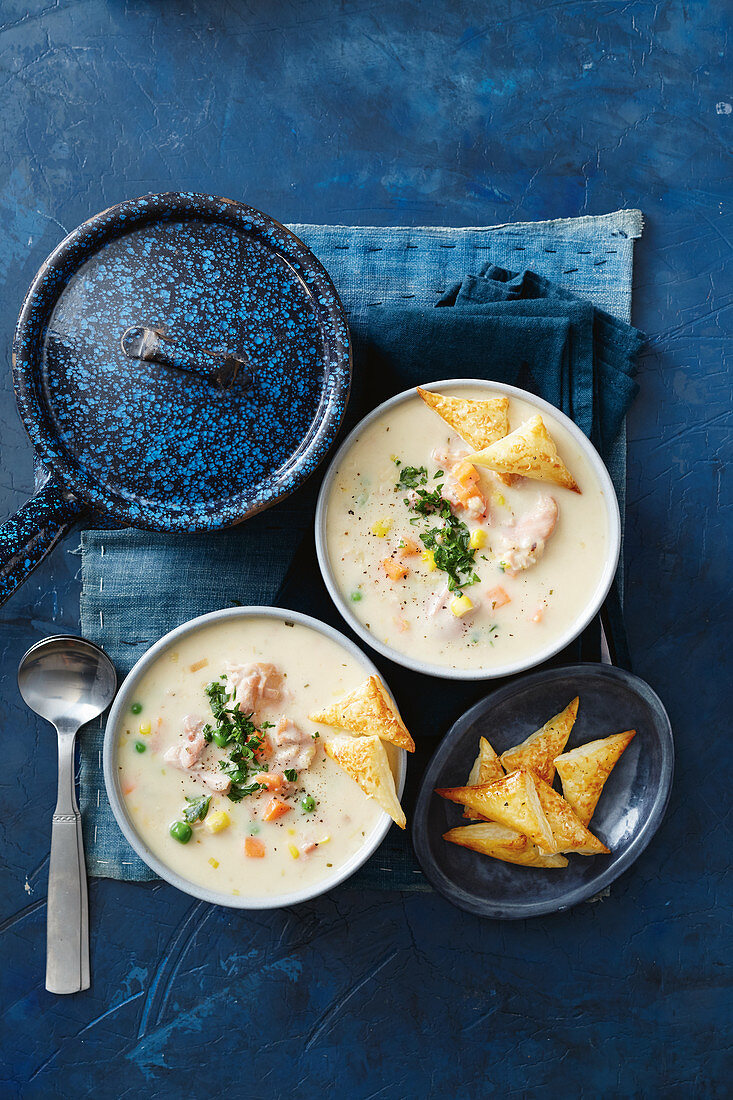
x: 295, y: 853
x: 459, y: 605
x: 498, y: 498
x: 217, y: 821
x: 144, y: 728
x: 477, y: 539
x: 214, y: 862
x: 381, y: 527
x: 428, y: 556
x: 291, y: 832
x: 324, y: 840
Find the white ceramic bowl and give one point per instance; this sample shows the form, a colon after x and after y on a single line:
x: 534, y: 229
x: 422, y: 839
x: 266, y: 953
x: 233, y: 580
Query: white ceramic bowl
x: 115, y: 720
x: 509, y: 669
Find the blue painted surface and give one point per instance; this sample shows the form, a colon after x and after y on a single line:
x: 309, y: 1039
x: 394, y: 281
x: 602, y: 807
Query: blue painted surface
x: 386, y: 113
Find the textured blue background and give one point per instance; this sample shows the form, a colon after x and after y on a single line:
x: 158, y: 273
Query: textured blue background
x: 380, y: 113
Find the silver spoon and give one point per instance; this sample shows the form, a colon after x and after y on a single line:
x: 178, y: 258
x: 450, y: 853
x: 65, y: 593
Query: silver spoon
x: 68, y: 681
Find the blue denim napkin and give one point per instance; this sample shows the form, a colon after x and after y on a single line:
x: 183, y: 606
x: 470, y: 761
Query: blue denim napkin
x: 523, y: 329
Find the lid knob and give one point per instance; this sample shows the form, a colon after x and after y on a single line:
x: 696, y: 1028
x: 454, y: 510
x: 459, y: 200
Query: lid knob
x: 218, y: 368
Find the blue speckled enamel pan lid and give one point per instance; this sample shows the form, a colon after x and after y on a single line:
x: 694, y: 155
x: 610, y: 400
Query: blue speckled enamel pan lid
x: 181, y: 361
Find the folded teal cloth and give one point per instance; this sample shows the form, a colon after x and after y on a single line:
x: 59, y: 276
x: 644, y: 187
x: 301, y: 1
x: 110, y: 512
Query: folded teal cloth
x: 520, y: 329
x: 540, y: 337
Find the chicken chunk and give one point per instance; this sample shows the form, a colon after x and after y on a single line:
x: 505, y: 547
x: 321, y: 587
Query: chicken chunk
x: 292, y: 747
x: 461, y: 488
x: 521, y: 544
x: 215, y: 781
x: 255, y: 685
x: 444, y: 621
x: 187, y: 753
x: 447, y: 458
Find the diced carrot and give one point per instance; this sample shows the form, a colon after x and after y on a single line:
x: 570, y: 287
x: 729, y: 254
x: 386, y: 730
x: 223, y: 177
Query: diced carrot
x: 275, y: 808
x: 465, y: 474
x: 253, y: 847
x: 271, y: 781
x: 464, y: 494
x: 498, y: 597
x: 409, y: 548
x: 394, y: 569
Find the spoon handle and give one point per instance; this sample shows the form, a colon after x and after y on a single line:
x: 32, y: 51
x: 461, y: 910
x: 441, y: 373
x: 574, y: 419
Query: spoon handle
x: 67, y: 923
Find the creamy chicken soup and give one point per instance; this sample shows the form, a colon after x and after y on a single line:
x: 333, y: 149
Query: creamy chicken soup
x: 520, y: 562
x: 222, y: 774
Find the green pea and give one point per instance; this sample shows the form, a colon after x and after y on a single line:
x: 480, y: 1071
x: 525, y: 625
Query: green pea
x: 140, y: 747
x: 220, y: 739
x: 136, y: 708
x: 355, y: 597
x: 308, y: 803
x: 181, y: 832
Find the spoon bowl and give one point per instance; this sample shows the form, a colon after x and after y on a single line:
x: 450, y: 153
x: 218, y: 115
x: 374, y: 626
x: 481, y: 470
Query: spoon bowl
x: 68, y: 681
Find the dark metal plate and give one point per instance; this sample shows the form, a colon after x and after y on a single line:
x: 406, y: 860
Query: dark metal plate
x: 629, y: 812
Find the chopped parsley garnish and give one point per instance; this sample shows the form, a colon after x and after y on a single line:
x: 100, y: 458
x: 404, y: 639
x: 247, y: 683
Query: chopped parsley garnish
x: 291, y: 775
x: 452, y: 553
x: 197, y: 808
x: 411, y: 477
x: 238, y: 791
x: 218, y: 699
x: 237, y: 731
x: 449, y: 541
x: 428, y: 503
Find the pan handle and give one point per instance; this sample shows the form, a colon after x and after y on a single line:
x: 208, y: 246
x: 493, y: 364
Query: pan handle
x: 32, y: 533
